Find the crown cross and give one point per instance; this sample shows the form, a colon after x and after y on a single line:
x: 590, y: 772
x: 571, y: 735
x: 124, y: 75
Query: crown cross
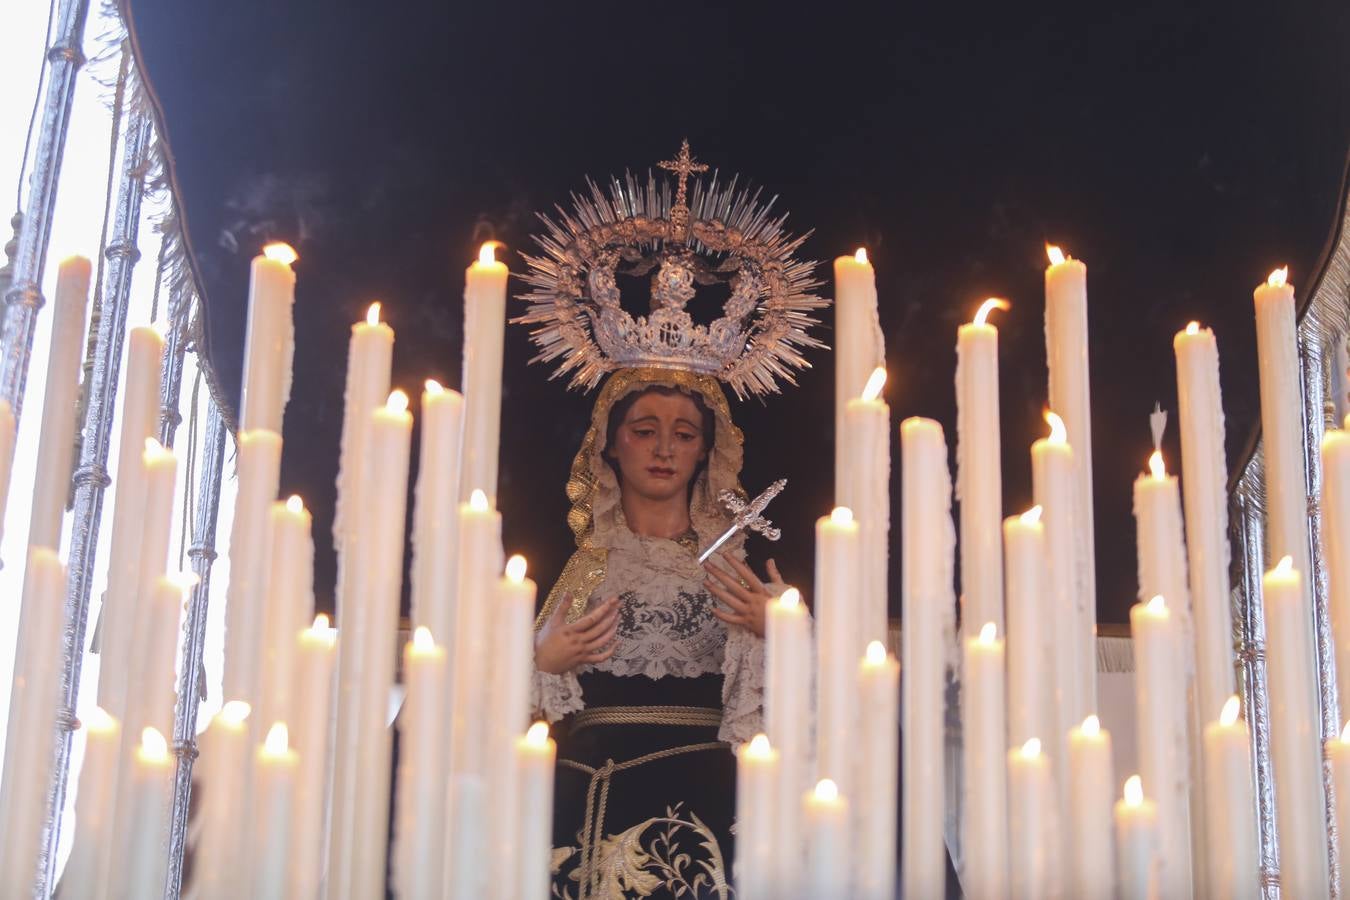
x: 683, y: 166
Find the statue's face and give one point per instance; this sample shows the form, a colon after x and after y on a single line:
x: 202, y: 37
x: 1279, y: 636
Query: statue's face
x: 659, y: 445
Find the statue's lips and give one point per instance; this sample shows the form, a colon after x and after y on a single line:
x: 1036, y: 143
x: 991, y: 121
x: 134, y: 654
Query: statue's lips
x: 658, y: 472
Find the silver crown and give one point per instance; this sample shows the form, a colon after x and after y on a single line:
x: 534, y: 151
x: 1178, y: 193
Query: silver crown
x: 704, y: 235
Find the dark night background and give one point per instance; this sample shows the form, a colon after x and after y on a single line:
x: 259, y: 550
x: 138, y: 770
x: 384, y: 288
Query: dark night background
x: 1182, y: 151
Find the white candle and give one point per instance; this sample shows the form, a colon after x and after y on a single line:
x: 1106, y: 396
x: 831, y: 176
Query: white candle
x: 275, y: 767
x: 139, y: 406
x: 156, y: 615
x: 1230, y: 807
x: 787, y: 718
x: 93, y: 805
x: 927, y: 609
x: 983, y: 728
x: 480, y: 549
x: 512, y: 646
x: 1338, y: 755
x: 1205, y: 492
x: 435, y: 537
x: 1282, y: 426
x: 979, y: 483
x: 866, y: 446
x: 1159, y: 660
x: 1136, y: 843
x: 1073, y: 644
x: 837, y: 556
x: 269, y: 341
x: 484, y: 330
x: 1034, y: 859
x: 420, y: 806
x: 535, y: 755
x: 152, y: 692
x: 56, y: 440
x: 290, y: 604
x: 33, y: 705
x: 315, y: 658
x: 1161, y: 547
x: 1066, y: 352
x: 159, y: 474
x: 1031, y: 707
x: 465, y: 837
x: 258, y: 468
x: 220, y: 870
x: 147, y: 824
x: 7, y: 436
x: 757, y: 778
x: 825, y: 812
x: 859, y: 344
x: 879, y: 734
x: 1336, y: 543
x: 1091, y: 851
x: 366, y: 662
x: 1295, y: 748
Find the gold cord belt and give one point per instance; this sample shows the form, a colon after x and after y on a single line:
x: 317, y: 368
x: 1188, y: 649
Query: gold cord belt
x: 694, y: 716
x: 593, y: 829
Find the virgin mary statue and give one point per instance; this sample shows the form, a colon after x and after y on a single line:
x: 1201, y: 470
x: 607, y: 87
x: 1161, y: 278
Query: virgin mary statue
x: 650, y: 664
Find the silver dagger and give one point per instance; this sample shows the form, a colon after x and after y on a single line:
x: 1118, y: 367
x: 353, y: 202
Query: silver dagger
x: 747, y: 516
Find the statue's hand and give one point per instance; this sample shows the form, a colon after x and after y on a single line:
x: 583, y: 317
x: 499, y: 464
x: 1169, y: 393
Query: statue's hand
x: 560, y: 647
x: 743, y: 592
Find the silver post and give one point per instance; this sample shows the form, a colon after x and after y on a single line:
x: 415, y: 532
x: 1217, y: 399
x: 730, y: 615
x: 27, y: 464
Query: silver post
x: 24, y: 297
x: 175, y: 346
x: 91, y: 473
x: 190, y: 685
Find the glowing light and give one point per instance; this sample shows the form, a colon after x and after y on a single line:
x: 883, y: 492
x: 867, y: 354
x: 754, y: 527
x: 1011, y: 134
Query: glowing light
x: 1192, y: 327
x: 1285, y: 567
x: 1092, y: 726
x: 1032, y: 516
x: 486, y: 254
x: 155, y: 452
x: 373, y: 314
x: 1156, y: 466
x: 397, y: 402
x: 988, y: 631
x: 99, y: 722
x: 1031, y: 749
x: 826, y: 790
x: 515, y: 568
x: 1134, y: 791
x: 861, y: 255
x: 478, y: 500
x: 295, y: 504
x: 875, y: 655
x: 422, y: 639
x: 841, y: 515
x: 759, y: 747
x: 1345, y: 733
x: 277, y: 742
x: 433, y: 386
x: 875, y: 382
x: 1231, y: 707
x: 235, y: 712
x: 1058, y: 433
x: 1278, y: 278
x: 537, y: 734
x: 320, y: 622
x: 989, y: 306
x: 280, y: 252
x: 1157, y: 605
x: 153, y: 746
x: 791, y: 598
x: 1055, y: 254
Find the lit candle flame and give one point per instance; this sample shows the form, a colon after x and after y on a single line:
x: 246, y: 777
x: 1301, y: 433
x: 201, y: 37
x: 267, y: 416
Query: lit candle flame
x: 537, y: 734
x: 295, y: 504
x: 1157, y: 604
x: 397, y: 402
x: 1156, y: 467
x: 422, y: 639
x: 278, y: 740
x: 515, y: 568
x: 153, y: 745
x: 1058, y: 433
x: 478, y: 500
x: 1229, y: 714
x: 791, y: 597
x: 1278, y: 278
x: 1032, y: 516
x: 875, y: 382
x: 827, y: 790
x: 98, y: 721
x: 861, y: 255
x: 1345, y: 733
x: 235, y: 712
x: 841, y: 515
x: 280, y: 252
x: 1285, y: 566
x: 1056, y: 255
x: 1192, y: 327
x: 1092, y: 726
x: 875, y: 655
x: 183, y: 581
x: 320, y: 622
x: 988, y: 631
x: 433, y: 386
x: 988, y: 306
x: 759, y: 747
x: 486, y: 254
x: 1031, y: 749
x: 1134, y: 791
x: 373, y: 313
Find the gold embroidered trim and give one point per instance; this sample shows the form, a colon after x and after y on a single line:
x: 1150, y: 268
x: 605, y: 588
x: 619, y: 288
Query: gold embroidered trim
x: 691, y: 716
